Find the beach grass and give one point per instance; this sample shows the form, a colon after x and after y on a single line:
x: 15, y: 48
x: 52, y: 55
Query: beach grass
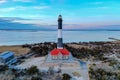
x: 17, y: 49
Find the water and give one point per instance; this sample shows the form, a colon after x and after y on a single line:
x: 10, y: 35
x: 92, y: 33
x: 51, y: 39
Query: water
x: 23, y: 37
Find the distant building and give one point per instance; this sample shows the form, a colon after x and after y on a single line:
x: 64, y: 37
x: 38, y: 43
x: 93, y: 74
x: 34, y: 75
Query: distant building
x: 7, y: 58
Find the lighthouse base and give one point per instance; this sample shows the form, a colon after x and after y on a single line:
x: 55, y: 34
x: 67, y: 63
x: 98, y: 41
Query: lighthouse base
x: 70, y: 59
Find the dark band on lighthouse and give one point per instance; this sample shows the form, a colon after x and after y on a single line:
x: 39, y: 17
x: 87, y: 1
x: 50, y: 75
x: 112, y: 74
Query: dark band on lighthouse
x: 60, y: 41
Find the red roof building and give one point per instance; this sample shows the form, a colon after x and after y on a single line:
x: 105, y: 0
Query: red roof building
x: 59, y: 53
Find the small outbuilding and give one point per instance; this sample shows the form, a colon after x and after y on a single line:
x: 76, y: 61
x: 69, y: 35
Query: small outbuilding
x: 7, y: 58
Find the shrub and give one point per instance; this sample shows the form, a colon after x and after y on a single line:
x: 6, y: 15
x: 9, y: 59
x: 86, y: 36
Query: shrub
x: 66, y: 76
x: 32, y: 70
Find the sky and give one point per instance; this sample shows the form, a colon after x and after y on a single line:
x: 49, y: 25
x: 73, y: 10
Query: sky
x: 77, y: 14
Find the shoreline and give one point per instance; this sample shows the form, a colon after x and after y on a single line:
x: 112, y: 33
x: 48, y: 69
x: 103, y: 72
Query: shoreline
x: 56, y: 30
x: 56, y: 42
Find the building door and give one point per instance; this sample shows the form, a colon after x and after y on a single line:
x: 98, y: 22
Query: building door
x: 60, y: 56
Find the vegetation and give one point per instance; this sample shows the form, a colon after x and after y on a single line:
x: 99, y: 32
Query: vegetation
x: 101, y: 74
x: 3, y: 68
x: 40, y: 49
x: 36, y: 78
x: 17, y: 49
x: 32, y: 70
x: 66, y: 77
x: 94, y: 51
x: 81, y: 50
x: 29, y: 74
x: 88, y: 49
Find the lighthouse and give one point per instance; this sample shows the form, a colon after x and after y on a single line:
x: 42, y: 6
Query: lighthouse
x: 60, y: 52
x: 60, y: 40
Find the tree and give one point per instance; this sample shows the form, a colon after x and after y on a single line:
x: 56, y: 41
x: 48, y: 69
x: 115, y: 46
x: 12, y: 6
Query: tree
x: 66, y: 76
x: 3, y: 68
x: 32, y: 70
x: 36, y: 78
x: 118, y: 76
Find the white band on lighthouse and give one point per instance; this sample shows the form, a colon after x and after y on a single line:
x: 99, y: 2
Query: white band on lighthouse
x: 59, y: 33
x: 59, y: 47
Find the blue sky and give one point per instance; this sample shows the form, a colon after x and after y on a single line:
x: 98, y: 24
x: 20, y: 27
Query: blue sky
x: 77, y: 14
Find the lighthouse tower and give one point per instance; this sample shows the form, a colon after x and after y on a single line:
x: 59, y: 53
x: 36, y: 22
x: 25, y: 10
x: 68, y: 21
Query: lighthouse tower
x: 60, y: 40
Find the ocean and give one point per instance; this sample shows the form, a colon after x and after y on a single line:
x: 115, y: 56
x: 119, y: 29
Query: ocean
x: 28, y: 37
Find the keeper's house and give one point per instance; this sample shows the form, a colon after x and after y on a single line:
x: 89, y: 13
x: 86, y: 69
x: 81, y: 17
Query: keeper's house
x: 60, y: 54
x: 7, y: 58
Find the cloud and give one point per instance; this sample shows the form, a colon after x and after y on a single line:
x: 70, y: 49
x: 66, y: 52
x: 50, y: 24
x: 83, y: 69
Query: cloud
x: 24, y: 20
x: 8, y: 23
x: 40, y: 7
x: 35, y: 19
x: 3, y: 1
x: 7, y: 9
x: 31, y: 7
x: 12, y: 18
x: 30, y: 21
x: 21, y: 23
x: 22, y: 0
